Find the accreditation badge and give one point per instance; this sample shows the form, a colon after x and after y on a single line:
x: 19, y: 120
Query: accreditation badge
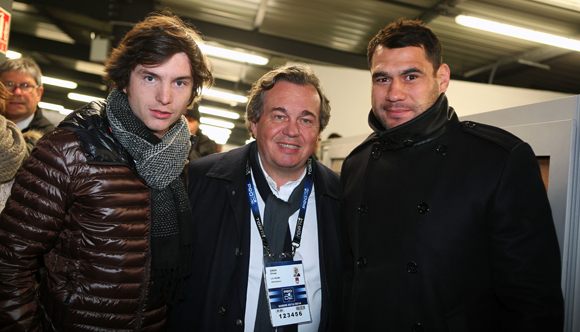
x: 286, y: 287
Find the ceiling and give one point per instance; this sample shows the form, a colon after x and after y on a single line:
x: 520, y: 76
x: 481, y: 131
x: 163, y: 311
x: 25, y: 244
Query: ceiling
x: 58, y: 34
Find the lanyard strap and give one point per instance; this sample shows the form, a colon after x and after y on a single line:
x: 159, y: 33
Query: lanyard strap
x: 256, y: 211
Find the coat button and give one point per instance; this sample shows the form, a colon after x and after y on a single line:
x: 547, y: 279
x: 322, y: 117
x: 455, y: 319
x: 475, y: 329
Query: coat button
x: 376, y: 152
x: 423, y: 208
x: 222, y: 310
x: 238, y: 252
x: 469, y: 124
x: 233, y: 193
x: 417, y: 327
x: 239, y: 322
x: 362, y: 262
x: 412, y: 267
x: 442, y: 150
x: 408, y: 142
x: 362, y: 209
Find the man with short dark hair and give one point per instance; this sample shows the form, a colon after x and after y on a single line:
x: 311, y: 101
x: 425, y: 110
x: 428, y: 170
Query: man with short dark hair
x: 267, y: 206
x: 23, y: 78
x: 447, y: 225
x: 204, y: 145
x: 102, y: 199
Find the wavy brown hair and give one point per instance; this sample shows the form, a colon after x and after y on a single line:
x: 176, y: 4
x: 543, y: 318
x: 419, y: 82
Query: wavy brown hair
x: 152, y: 42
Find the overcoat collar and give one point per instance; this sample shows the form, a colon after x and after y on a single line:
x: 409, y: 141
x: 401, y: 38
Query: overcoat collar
x: 425, y: 127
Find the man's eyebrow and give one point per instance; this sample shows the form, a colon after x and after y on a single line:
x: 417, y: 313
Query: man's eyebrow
x: 307, y: 112
x: 411, y: 70
x: 380, y: 74
x: 150, y: 73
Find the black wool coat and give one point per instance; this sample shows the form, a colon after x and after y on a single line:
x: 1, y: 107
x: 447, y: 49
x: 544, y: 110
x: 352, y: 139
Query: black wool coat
x: 447, y: 227
x: 216, y: 292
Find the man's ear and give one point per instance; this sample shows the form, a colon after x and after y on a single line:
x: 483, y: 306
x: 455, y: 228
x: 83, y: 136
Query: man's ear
x: 254, y: 129
x: 443, y: 75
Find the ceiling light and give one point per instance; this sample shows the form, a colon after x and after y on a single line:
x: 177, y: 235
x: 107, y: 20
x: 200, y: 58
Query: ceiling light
x: 509, y: 30
x: 232, y: 55
x: 59, y: 82
x: 84, y: 98
x: 218, y: 112
x: 54, y: 107
x: 218, y: 123
x: 569, y: 4
x: 219, y: 135
x: 224, y: 95
x: 13, y: 55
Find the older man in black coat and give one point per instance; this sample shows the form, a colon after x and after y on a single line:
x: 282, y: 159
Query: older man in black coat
x: 447, y: 224
x: 286, y: 113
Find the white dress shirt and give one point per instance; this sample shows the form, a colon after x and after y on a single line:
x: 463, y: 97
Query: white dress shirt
x: 308, y: 253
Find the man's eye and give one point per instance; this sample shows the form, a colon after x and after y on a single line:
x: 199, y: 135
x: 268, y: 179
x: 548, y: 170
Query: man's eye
x: 411, y: 77
x: 150, y: 79
x: 180, y: 83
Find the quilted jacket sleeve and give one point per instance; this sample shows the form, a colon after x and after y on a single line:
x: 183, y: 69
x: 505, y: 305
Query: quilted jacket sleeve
x: 30, y: 226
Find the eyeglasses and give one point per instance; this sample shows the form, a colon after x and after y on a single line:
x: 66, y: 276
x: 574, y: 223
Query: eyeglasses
x: 25, y: 87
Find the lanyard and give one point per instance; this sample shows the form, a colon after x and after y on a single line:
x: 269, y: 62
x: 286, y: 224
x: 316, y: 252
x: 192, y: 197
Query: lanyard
x: 301, y: 214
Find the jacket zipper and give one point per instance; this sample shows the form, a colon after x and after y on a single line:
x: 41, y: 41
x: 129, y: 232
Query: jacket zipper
x: 139, y: 317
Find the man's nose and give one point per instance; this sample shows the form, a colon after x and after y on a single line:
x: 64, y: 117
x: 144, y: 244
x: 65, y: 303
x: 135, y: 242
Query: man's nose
x: 164, y: 94
x: 291, y: 129
x: 397, y: 91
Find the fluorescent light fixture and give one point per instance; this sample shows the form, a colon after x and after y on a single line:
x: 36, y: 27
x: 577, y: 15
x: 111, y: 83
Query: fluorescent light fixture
x: 509, y: 30
x: 59, y: 82
x: 570, y: 4
x: 219, y: 135
x: 13, y: 55
x: 84, y: 98
x: 217, y: 123
x: 232, y: 55
x: 218, y: 112
x: 54, y: 107
x: 224, y: 95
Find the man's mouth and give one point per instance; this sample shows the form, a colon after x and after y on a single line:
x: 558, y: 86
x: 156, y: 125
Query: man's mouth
x: 288, y: 146
x: 160, y: 114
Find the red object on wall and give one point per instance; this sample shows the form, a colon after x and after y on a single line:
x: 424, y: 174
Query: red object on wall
x: 4, y: 29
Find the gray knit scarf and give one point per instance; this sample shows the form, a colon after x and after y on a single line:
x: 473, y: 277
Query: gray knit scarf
x: 160, y: 162
x: 12, y: 149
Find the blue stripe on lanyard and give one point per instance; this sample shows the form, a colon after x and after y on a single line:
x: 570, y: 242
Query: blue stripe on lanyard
x: 301, y: 214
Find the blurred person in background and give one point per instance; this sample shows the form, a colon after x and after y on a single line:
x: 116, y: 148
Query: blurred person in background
x: 23, y: 78
x: 14, y: 148
x: 204, y: 145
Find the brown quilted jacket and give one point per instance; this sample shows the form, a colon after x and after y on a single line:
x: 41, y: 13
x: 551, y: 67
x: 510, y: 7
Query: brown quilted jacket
x: 79, y: 206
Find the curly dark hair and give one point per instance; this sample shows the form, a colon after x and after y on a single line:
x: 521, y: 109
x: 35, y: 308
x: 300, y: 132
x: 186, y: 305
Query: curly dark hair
x: 403, y: 33
x: 297, y: 74
x: 151, y: 43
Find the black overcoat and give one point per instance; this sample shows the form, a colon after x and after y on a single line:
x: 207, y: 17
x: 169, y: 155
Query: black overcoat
x: 216, y: 292
x: 448, y: 228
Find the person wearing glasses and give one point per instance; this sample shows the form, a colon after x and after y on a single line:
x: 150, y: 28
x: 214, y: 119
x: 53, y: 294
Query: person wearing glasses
x: 23, y: 78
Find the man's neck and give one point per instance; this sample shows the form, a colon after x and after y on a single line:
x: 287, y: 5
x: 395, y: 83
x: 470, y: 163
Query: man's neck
x: 24, y: 123
x: 281, y: 178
